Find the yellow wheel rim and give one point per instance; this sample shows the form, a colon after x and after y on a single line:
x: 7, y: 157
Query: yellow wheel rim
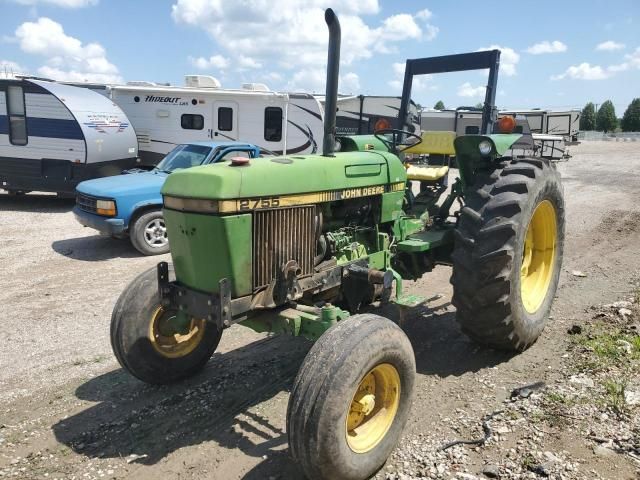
x: 373, y: 408
x: 173, y: 345
x: 538, y: 256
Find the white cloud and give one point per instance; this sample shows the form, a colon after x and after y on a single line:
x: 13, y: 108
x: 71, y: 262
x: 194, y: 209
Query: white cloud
x: 313, y: 80
x: 67, y: 57
x: 214, y: 61
x: 350, y: 83
x: 424, y: 14
x: 9, y: 68
x: 610, y: 46
x: 508, y: 59
x: 467, y: 90
x: 247, y: 62
x: 632, y: 62
x: 547, y: 47
x: 584, y: 71
x: 293, y: 36
x: 59, y: 3
x: 431, y: 31
x: 419, y: 83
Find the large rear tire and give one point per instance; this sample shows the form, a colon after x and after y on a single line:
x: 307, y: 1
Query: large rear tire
x: 351, y: 399
x: 508, y: 253
x: 143, y: 341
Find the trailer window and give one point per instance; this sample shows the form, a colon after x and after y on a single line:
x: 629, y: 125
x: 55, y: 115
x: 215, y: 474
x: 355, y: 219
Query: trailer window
x: 273, y: 124
x: 225, y: 119
x: 190, y: 121
x: 472, y: 130
x: 17, y: 117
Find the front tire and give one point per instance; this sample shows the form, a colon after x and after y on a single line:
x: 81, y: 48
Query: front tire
x: 142, y: 339
x: 351, y: 399
x: 508, y: 253
x: 148, y: 233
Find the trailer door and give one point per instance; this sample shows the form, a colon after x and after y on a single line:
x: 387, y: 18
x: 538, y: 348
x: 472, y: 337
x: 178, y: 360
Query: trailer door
x: 559, y: 124
x: 225, y: 120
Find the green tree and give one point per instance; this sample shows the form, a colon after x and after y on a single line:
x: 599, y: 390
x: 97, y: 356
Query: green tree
x: 479, y: 105
x: 588, y: 118
x: 439, y: 105
x: 606, y: 120
x: 631, y: 117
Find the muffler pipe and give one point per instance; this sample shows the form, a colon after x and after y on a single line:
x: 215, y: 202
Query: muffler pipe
x: 331, y: 94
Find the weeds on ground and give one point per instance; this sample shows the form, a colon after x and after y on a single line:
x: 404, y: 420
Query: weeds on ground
x: 614, y: 397
x: 605, y: 349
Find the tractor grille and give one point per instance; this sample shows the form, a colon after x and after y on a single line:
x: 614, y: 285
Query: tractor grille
x: 279, y: 236
x: 86, y: 202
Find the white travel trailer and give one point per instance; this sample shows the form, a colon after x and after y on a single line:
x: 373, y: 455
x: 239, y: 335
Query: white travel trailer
x: 468, y: 121
x: 53, y: 136
x: 364, y: 114
x: 164, y: 116
x: 463, y: 121
x: 552, y: 122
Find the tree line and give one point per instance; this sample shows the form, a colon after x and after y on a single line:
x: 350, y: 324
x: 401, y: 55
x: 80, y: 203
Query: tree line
x: 605, y: 119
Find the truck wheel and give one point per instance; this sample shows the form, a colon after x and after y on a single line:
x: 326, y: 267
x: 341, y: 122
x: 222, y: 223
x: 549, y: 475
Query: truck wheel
x: 351, y: 399
x: 144, y: 341
x: 508, y: 253
x: 149, y: 234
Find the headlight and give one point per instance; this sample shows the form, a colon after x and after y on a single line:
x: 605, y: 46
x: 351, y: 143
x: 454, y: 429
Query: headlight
x: 485, y: 147
x: 195, y: 205
x: 106, y: 208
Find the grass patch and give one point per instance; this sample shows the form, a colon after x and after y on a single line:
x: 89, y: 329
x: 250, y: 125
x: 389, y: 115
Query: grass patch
x: 608, y: 349
x: 614, y: 397
x: 528, y: 461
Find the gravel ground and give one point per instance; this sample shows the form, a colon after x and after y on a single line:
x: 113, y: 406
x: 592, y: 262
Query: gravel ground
x: 68, y: 411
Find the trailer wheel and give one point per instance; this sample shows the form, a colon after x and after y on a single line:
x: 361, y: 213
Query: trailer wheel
x: 351, y: 399
x: 508, y: 253
x: 149, y: 233
x: 144, y: 341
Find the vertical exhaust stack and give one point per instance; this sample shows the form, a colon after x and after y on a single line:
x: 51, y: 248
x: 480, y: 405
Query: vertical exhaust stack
x: 331, y: 95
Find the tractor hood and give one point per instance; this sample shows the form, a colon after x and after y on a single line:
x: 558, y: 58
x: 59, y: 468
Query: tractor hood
x: 286, y: 175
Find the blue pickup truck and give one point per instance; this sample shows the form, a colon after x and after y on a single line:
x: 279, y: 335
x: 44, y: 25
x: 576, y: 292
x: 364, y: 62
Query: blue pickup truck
x: 131, y: 204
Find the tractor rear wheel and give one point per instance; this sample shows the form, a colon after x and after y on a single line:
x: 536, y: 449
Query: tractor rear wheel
x: 508, y: 253
x: 351, y: 399
x: 145, y: 340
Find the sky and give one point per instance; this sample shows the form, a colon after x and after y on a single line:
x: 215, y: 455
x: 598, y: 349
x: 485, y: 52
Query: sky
x: 554, y: 54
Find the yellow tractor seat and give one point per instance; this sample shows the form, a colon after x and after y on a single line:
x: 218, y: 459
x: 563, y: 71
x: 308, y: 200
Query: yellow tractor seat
x: 437, y: 143
x: 426, y: 173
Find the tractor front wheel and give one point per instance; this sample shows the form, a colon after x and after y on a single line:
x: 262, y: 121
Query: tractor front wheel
x: 351, y: 399
x: 147, y: 340
x: 508, y: 253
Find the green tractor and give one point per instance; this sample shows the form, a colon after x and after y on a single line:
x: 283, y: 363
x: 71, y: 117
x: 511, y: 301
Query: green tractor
x: 300, y: 244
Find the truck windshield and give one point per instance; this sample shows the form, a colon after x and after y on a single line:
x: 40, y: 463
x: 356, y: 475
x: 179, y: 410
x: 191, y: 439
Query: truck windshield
x: 184, y: 156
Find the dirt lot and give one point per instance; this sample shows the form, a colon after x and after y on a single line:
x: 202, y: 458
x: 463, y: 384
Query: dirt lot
x: 68, y: 411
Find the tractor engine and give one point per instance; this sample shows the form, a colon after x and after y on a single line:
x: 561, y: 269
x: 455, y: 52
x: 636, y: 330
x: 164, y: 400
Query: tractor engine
x: 280, y: 230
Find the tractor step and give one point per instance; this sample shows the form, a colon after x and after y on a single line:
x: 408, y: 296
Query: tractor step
x: 411, y: 301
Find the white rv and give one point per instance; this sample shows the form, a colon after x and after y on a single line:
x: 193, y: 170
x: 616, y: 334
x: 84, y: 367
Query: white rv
x: 53, y: 136
x: 463, y: 121
x: 164, y: 116
x: 364, y: 114
x: 552, y: 122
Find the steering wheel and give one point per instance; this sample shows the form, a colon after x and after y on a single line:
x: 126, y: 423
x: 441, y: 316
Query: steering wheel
x: 396, y: 134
